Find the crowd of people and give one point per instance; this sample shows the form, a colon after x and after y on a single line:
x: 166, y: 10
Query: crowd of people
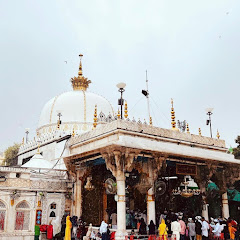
x: 174, y: 226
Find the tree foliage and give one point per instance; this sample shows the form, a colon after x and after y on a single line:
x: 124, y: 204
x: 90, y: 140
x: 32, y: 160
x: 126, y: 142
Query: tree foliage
x: 236, y: 151
x: 11, y: 154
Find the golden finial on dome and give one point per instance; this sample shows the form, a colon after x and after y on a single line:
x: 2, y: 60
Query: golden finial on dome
x: 95, y: 117
x: 73, y: 132
x: 188, y: 128
x: 118, y: 114
x: 126, y: 110
x: 58, y: 125
x: 200, y: 132
x: 173, y: 117
x: 218, y: 135
x: 150, y: 120
x: 38, y: 147
x: 80, y: 82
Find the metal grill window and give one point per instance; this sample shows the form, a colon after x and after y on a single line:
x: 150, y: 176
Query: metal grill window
x: 22, y: 216
x: 2, y: 215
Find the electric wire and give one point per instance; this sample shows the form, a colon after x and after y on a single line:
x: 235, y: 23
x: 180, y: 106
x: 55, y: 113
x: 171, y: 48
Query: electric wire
x: 136, y: 104
x: 168, y: 120
x: 58, y: 159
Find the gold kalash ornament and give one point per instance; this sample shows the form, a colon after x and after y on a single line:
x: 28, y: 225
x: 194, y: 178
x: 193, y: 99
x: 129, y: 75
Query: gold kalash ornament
x: 80, y: 82
x: 173, y: 117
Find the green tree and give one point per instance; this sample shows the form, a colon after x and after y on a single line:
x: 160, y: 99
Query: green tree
x: 11, y: 154
x: 236, y: 151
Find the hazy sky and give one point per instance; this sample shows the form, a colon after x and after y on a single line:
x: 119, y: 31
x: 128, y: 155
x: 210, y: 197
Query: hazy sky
x: 190, y: 49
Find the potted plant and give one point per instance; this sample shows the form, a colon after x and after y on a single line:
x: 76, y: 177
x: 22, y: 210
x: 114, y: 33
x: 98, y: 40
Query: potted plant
x: 14, y: 194
x: 41, y: 196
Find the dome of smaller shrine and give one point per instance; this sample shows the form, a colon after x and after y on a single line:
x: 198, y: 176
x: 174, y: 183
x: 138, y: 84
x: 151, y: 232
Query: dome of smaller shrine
x: 38, y: 162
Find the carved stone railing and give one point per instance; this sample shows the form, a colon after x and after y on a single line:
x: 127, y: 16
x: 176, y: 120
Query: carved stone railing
x: 148, y: 130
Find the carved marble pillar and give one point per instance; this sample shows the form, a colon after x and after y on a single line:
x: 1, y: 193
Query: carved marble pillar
x: 205, y: 211
x: 77, y: 210
x: 225, y: 206
x: 205, y: 205
x: 151, y: 208
x: 154, y: 165
x: 121, y: 206
x: 119, y: 161
x: 105, y: 214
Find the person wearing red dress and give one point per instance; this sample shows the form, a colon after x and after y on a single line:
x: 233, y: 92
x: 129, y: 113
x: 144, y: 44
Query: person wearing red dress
x: 50, y: 232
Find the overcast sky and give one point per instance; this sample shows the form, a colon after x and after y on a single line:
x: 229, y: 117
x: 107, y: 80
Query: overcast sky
x: 190, y: 49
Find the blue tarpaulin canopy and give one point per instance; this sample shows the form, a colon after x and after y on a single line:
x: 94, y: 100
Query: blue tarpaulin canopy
x: 233, y: 195
x: 212, y: 186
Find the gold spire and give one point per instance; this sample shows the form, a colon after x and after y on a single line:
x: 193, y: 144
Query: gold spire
x: 150, y: 121
x: 173, y: 117
x: 218, y: 135
x: 73, y: 132
x: 23, y: 141
x: 58, y: 124
x: 95, y: 117
x: 188, y: 128
x: 200, y: 132
x: 80, y: 82
x: 126, y: 110
x: 38, y: 149
x: 118, y: 114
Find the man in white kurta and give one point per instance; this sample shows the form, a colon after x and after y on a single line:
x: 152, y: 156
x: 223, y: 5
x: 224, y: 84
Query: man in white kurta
x: 217, y: 229
x: 205, y: 228
x: 176, y: 229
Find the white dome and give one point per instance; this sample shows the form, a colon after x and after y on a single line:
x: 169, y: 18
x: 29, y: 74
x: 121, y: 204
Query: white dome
x: 77, y: 110
x: 37, y: 161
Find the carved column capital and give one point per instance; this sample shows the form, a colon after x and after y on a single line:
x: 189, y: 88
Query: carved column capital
x: 82, y: 174
x: 157, y: 162
x: 119, y: 160
x: 212, y: 167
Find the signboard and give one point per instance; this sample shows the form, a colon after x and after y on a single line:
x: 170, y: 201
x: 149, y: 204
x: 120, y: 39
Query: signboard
x: 185, y: 169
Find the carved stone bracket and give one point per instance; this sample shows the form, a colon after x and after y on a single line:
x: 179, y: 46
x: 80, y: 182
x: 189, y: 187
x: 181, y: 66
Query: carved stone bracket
x: 212, y: 168
x: 158, y: 162
x: 231, y: 175
x: 119, y: 160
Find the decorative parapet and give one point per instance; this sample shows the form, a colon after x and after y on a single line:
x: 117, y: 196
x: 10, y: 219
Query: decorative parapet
x: 56, y: 186
x: 14, y: 169
x: 43, y: 140
x: 28, y: 180
x: 148, y: 130
x: 15, y: 183
x: 36, y: 185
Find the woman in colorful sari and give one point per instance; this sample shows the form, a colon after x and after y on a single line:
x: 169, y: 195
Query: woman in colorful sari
x: 163, y: 230
x: 68, y: 229
x: 232, y: 230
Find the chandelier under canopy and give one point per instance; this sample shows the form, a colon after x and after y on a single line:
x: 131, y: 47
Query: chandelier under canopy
x: 190, y: 188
